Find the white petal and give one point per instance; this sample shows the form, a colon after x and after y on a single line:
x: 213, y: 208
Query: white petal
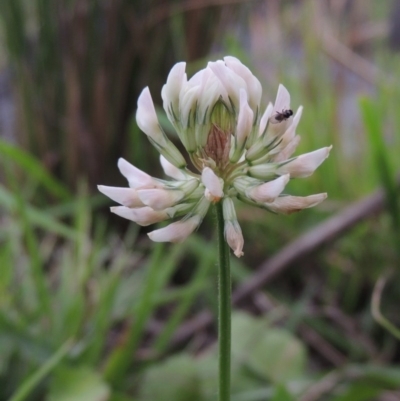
x: 254, y: 88
x: 231, y: 81
x: 276, y: 129
x: 282, y: 101
x: 124, y: 196
x: 146, y: 117
x: 297, y: 117
x: 171, y: 90
x: 292, y: 204
x: 234, y: 237
x: 265, y: 117
x: 213, y: 183
x: 143, y: 216
x: 175, y: 232
x: 288, y: 150
x: 305, y: 165
x: 171, y: 171
x: 160, y: 199
x: 211, y: 90
x: 187, y: 103
x: 136, y: 177
x: 197, y: 78
x: 291, y: 131
x: 269, y: 191
x: 245, y: 119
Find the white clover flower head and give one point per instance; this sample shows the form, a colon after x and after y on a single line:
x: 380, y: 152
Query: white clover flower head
x: 235, y: 150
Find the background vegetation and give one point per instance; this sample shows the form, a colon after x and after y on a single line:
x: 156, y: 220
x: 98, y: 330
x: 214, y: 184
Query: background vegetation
x: 91, y: 310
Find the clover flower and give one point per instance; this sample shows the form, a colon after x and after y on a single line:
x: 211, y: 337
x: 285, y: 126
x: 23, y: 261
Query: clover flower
x: 234, y: 152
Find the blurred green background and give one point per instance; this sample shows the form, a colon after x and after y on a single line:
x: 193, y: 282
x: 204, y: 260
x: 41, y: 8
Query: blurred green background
x: 90, y: 310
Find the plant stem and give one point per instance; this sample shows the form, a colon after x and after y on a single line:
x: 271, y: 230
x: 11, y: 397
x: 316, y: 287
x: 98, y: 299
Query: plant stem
x: 224, y: 310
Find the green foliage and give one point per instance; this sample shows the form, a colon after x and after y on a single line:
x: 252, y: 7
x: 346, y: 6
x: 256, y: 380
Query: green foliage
x: 175, y: 379
x: 77, y: 384
x: 261, y: 354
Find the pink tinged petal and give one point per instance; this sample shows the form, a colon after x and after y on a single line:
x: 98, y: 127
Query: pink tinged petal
x: 288, y: 150
x: 291, y: 131
x: 258, y: 148
x: 231, y: 81
x: 213, y: 184
x: 147, y: 121
x: 160, y: 199
x: 282, y: 101
x: 124, y: 196
x: 146, y: 118
x: 211, y: 90
x: 292, y: 204
x: 172, y: 171
x: 297, y: 117
x: 254, y: 88
x: 243, y: 128
x: 232, y: 230
x: 234, y: 237
x: 176, y: 232
x: 264, y: 119
x: 143, y: 216
x: 136, y: 177
x: 187, y: 103
x: 196, y: 78
x: 304, y: 165
x: 245, y: 119
x: 171, y: 90
x: 269, y: 191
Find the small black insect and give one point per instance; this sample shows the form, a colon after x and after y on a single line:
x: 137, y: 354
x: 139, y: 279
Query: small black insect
x: 282, y: 116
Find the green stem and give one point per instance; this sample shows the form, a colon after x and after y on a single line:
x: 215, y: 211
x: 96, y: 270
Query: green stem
x: 224, y: 310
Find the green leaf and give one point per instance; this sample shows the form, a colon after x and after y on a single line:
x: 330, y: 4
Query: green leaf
x: 36, y: 217
x: 34, y: 169
x: 176, y: 379
x: 372, y: 123
x: 360, y: 391
x: 282, y: 394
x: 278, y: 356
x: 78, y: 384
x: 272, y: 353
x: 32, y: 381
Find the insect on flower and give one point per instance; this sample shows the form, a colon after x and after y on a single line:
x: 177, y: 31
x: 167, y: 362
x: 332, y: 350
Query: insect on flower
x: 281, y: 116
x: 236, y: 150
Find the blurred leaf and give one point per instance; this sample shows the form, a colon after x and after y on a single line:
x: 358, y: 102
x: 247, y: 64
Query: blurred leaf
x: 121, y: 397
x: 34, y: 169
x: 78, y: 384
x: 358, y: 392
x: 270, y: 352
x: 385, y: 375
x: 245, y: 330
x: 121, y: 357
x: 31, y: 382
x: 37, y: 217
x: 282, y: 394
x: 6, y: 350
x: 372, y: 122
x: 278, y: 355
x: 176, y: 379
x: 207, y: 368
